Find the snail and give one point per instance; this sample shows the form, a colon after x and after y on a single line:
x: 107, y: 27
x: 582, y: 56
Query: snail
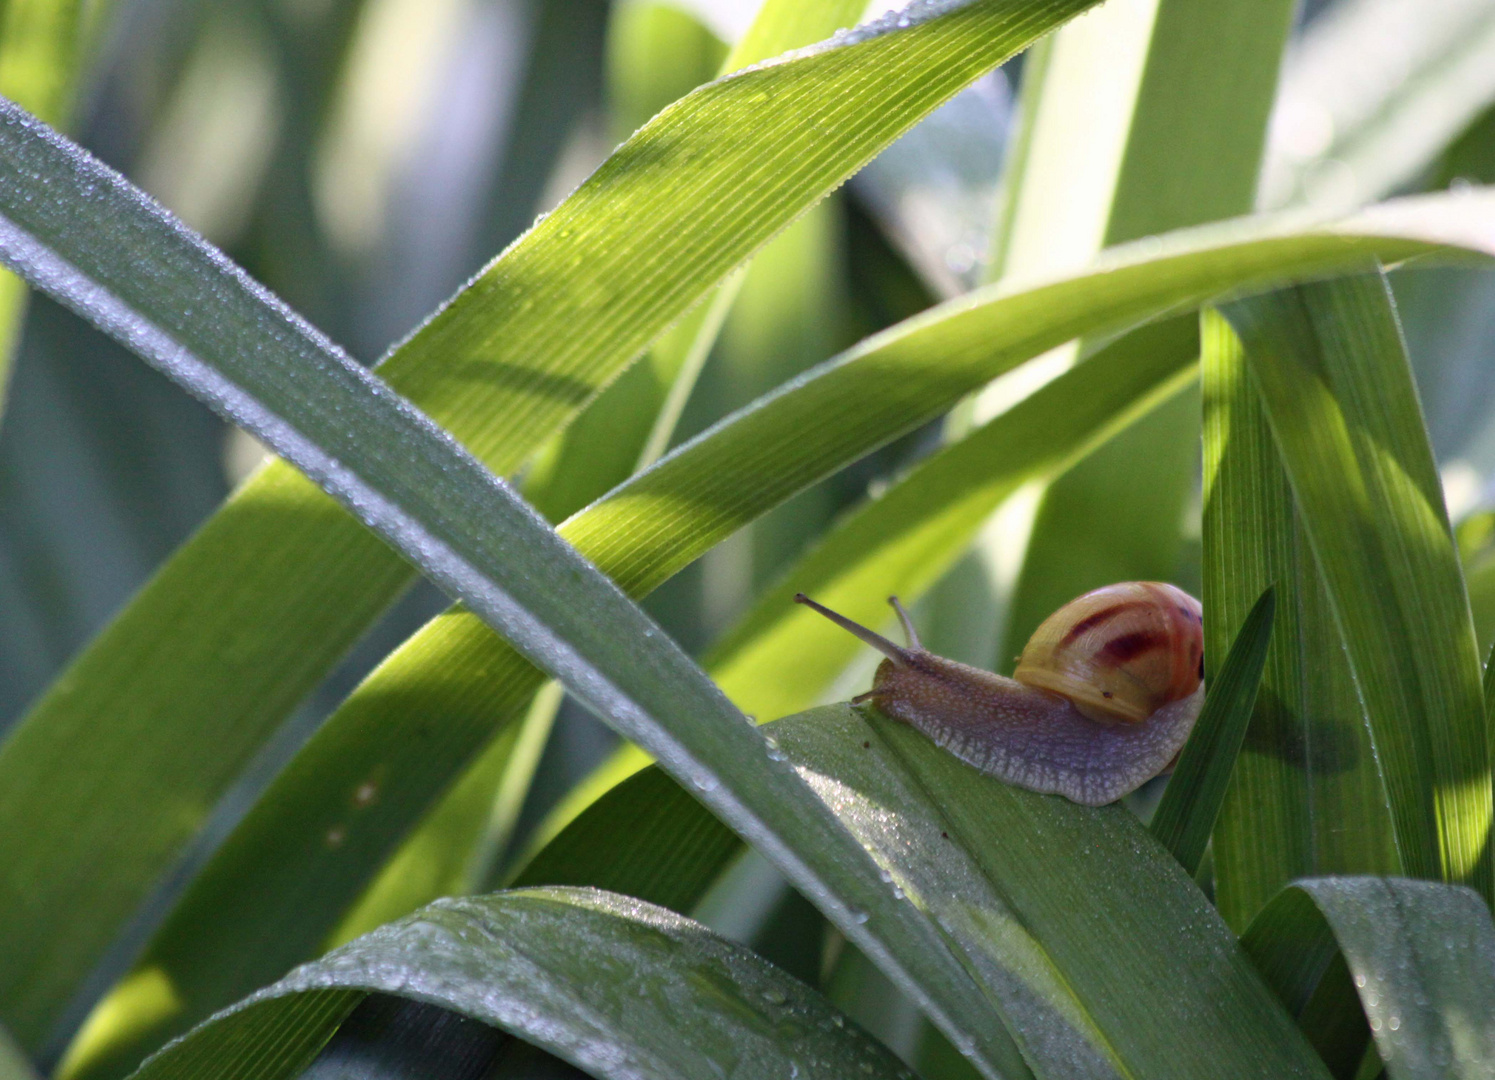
x: 1103, y: 698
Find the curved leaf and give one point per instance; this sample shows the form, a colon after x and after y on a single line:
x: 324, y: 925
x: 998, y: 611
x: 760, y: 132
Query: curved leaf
x: 1420, y: 955
x: 250, y: 615
x: 1306, y: 797
x: 619, y: 988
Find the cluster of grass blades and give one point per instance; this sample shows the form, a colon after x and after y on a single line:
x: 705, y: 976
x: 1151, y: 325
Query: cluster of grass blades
x: 1311, y: 896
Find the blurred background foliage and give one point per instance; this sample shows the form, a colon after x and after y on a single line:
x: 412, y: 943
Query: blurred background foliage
x: 364, y: 158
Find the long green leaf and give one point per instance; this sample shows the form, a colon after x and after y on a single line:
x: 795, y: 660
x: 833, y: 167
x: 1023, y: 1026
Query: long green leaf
x: 1070, y: 916
x: 1185, y: 818
x: 563, y: 970
x: 1421, y: 957
x: 1306, y: 797
x: 1336, y: 388
x: 626, y: 428
x: 412, y: 483
x: 1083, y: 927
x: 381, y: 742
x: 211, y: 656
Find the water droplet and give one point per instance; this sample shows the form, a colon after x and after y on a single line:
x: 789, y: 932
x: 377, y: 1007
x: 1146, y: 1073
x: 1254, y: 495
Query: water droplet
x: 336, y: 835
x: 775, y: 997
x: 1394, y: 1022
x: 1375, y: 1023
x: 365, y: 793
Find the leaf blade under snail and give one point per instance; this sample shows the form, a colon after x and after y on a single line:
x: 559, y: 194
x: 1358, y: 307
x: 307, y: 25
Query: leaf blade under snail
x: 1186, y: 814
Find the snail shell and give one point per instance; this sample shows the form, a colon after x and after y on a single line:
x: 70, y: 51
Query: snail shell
x: 1074, y: 725
x: 1120, y: 652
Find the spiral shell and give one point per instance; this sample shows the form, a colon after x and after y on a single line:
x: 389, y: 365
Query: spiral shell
x: 1120, y: 652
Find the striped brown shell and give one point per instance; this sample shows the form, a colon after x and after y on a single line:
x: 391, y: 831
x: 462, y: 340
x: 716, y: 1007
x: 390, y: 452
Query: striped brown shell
x: 1120, y: 652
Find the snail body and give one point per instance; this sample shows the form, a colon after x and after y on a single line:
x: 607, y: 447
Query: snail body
x: 1102, y: 700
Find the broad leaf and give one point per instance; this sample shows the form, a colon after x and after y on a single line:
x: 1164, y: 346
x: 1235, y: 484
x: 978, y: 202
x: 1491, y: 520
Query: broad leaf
x: 1306, y: 796
x: 562, y: 969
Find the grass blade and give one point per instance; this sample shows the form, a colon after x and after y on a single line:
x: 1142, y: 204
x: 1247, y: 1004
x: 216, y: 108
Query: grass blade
x: 1337, y: 390
x: 1420, y: 955
x: 1306, y: 796
x: 1185, y: 818
x: 561, y: 969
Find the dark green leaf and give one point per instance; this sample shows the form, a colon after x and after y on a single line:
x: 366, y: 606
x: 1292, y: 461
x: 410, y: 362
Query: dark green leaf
x: 1185, y: 818
x: 614, y: 986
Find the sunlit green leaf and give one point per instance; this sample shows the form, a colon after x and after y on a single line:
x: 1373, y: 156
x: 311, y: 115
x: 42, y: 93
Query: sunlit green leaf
x: 1336, y: 388
x: 1306, y: 796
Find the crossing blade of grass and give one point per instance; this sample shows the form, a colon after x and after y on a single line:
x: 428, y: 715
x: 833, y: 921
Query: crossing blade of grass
x: 1306, y: 796
x: 412, y: 483
x: 248, y: 617
x: 561, y: 969
x: 1420, y: 956
x: 1185, y: 818
x: 642, y: 534
x: 1337, y: 390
